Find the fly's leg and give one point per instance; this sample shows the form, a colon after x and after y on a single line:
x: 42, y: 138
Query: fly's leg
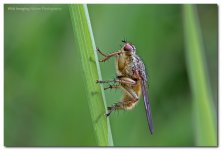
x: 112, y: 87
x: 101, y: 52
x: 124, y: 83
x: 123, y: 80
x: 130, y: 92
x: 113, y: 107
x: 127, y: 87
x: 130, y: 98
x: 126, y: 104
x: 106, y: 57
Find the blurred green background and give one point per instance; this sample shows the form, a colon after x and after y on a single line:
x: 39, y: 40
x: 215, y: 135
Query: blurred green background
x: 44, y: 96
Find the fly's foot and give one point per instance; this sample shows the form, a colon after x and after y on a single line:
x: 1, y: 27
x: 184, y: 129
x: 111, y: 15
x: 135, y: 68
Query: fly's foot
x: 109, y: 87
x: 112, y: 87
x: 101, y: 52
x: 107, y: 114
x: 100, y: 81
x: 109, y: 109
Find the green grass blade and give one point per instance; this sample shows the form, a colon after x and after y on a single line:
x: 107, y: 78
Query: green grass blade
x: 84, y: 39
x: 204, y: 114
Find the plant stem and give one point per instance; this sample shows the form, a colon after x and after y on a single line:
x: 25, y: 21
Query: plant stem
x: 204, y: 114
x: 95, y: 95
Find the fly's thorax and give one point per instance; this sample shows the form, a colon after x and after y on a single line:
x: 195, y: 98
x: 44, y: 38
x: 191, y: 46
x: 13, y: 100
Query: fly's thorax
x: 124, y: 64
x: 120, y: 63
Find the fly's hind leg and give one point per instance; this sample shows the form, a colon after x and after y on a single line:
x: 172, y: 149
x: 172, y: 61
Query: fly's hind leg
x: 121, y: 105
x: 112, y: 108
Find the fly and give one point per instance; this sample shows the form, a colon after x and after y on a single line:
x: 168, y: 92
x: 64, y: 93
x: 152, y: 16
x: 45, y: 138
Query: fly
x: 131, y: 77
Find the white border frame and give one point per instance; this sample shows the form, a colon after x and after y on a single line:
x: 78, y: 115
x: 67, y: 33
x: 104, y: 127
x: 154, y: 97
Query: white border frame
x: 2, y: 2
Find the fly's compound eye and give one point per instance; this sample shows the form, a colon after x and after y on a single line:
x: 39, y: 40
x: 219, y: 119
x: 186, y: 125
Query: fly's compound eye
x: 134, y: 48
x: 128, y: 47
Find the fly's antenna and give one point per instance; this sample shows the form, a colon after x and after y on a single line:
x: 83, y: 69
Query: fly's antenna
x: 124, y: 40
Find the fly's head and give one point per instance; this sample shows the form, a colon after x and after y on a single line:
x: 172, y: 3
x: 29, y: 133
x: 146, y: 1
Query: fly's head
x: 128, y: 48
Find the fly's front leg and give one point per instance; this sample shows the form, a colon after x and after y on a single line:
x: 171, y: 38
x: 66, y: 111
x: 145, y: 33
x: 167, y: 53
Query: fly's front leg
x: 106, y: 57
x: 101, y: 52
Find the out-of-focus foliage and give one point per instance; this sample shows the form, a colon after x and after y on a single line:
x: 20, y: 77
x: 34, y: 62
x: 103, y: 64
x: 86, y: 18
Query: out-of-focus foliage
x: 45, y: 101
x: 44, y: 96
x: 203, y: 108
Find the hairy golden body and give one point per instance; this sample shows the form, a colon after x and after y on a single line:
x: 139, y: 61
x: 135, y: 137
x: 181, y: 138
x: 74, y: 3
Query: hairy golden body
x: 131, y: 76
x: 124, y: 65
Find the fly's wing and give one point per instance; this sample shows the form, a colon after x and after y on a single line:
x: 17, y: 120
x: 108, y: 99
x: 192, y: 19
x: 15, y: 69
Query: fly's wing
x: 147, y: 106
x: 142, y: 74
